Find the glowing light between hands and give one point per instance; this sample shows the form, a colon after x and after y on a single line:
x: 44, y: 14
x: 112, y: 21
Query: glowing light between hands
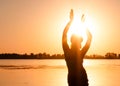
x: 79, y: 26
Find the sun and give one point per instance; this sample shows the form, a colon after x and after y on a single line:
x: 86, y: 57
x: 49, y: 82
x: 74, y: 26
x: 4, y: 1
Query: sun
x: 79, y: 26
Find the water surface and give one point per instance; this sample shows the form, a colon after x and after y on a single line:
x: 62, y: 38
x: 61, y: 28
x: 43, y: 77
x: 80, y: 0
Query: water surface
x: 54, y: 72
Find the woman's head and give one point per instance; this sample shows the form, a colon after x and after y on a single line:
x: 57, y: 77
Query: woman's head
x: 76, y: 41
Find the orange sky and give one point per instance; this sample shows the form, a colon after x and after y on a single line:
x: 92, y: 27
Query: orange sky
x: 36, y: 25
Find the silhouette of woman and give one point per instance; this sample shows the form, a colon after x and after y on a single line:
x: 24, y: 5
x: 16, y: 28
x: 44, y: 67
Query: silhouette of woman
x: 74, y: 55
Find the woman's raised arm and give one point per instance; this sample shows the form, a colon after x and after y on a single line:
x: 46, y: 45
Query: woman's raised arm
x: 87, y: 45
x: 64, y: 36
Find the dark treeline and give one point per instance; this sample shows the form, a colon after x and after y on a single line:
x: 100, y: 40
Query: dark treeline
x: 30, y: 56
x: 54, y: 56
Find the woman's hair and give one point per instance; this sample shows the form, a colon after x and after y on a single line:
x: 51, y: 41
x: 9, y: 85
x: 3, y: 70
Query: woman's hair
x: 75, y: 38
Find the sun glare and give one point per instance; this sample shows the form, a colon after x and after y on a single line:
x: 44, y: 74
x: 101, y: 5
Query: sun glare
x: 79, y: 27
